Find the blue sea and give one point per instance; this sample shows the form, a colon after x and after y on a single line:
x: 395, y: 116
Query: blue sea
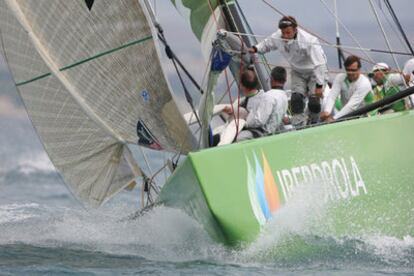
x: 45, y: 231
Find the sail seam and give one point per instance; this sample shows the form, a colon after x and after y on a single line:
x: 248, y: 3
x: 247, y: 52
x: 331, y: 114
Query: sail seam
x: 86, y: 60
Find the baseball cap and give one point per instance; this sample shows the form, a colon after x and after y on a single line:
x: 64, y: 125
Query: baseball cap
x: 377, y: 67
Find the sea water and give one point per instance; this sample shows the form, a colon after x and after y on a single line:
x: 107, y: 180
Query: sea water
x: 45, y: 231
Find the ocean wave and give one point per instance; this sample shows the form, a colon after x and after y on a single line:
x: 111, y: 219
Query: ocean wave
x: 16, y: 212
x: 27, y: 174
x: 168, y: 235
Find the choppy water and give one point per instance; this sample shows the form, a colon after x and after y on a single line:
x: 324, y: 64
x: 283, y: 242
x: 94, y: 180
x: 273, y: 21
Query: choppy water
x: 43, y: 230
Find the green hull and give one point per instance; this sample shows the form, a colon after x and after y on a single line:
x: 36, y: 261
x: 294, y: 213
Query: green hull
x: 361, y: 171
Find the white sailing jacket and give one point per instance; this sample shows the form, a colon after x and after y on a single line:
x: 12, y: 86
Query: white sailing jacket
x: 394, y: 79
x: 409, y: 70
x: 260, y: 108
x: 352, y: 94
x: 304, y: 54
x: 280, y: 107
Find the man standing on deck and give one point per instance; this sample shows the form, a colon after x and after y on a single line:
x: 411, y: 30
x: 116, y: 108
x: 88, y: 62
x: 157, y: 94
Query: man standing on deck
x: 309, y: 67
x: 353, y: 88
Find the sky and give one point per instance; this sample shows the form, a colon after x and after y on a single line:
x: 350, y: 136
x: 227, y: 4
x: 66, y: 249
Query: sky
x: 19, y: 146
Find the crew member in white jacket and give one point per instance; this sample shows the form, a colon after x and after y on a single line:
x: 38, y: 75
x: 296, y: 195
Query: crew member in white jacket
x: 409, y: 69
x: 278, y: 97
x: 255, y: 111
x: 309, y: 72
x: 260, y: 113
x: 352, y: 88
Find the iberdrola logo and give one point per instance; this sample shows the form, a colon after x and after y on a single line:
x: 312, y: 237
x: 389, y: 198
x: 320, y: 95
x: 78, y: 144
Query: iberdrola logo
x: 263, y: 191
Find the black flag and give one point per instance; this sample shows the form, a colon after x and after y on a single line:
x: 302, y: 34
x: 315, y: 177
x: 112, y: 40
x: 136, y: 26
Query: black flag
x: 89, y: 3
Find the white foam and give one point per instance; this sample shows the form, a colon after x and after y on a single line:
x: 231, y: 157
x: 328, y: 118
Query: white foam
x: 161, y: 234
x: 391, y: 249
x: 297, y: 217
x: 35, y: 162
x: 15, y: 212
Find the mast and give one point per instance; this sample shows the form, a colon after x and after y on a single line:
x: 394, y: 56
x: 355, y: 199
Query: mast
x: 338, y: 37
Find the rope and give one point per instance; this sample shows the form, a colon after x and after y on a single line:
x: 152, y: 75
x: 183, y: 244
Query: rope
x: 384, y: 34
x: 347, y: 30
x: 190, y: 77
x: 236, y: 117
x: 173, y: 58
x: 187, y: 95
x: 333, y: 45
x: 397, y: 22
x: 397, y: 34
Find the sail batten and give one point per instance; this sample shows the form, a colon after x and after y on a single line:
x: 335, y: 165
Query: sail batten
x: 19, y: 83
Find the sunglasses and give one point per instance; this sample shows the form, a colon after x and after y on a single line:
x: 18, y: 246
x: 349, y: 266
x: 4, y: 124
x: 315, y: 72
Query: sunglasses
x: 371, y: 75
x: 351, y: 70
x: 285, y: 23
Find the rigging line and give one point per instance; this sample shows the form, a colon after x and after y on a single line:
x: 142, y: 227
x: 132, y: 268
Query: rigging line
x: 202, y: 84
x: 396, y: 32
x: 391, y: 10
x: 230, y: 98
x: 389, y: 46
x: 249, y: 28
x: 146, y: 160
x: 186, y: 93
x: 170, y: 55
x: 316, y: 35
x: 338, y: 20
x: 335, y: 46
x: 226, y: 92
x: 384, y: 34
x: 157, y: 172
x: 165, y: 162
x: 188, y: 74
x: 217, y: 27
x: 238, y: 22
x: 236, y: 27
x: 222, y: 97
x: 233, y: 21
x: 162, y: 38
x: 335, y: 71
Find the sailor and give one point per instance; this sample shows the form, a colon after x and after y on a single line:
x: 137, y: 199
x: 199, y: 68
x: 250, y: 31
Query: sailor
x: 309, y: 67
x: 260, y: 113
x: 278, y: 95
x: 388, y: 84
x: 256, y: 109
x: 409, y: 70
x: 353, y: 88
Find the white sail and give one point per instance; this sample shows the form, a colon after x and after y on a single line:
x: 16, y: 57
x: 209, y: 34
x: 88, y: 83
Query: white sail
x: 87, y: 77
